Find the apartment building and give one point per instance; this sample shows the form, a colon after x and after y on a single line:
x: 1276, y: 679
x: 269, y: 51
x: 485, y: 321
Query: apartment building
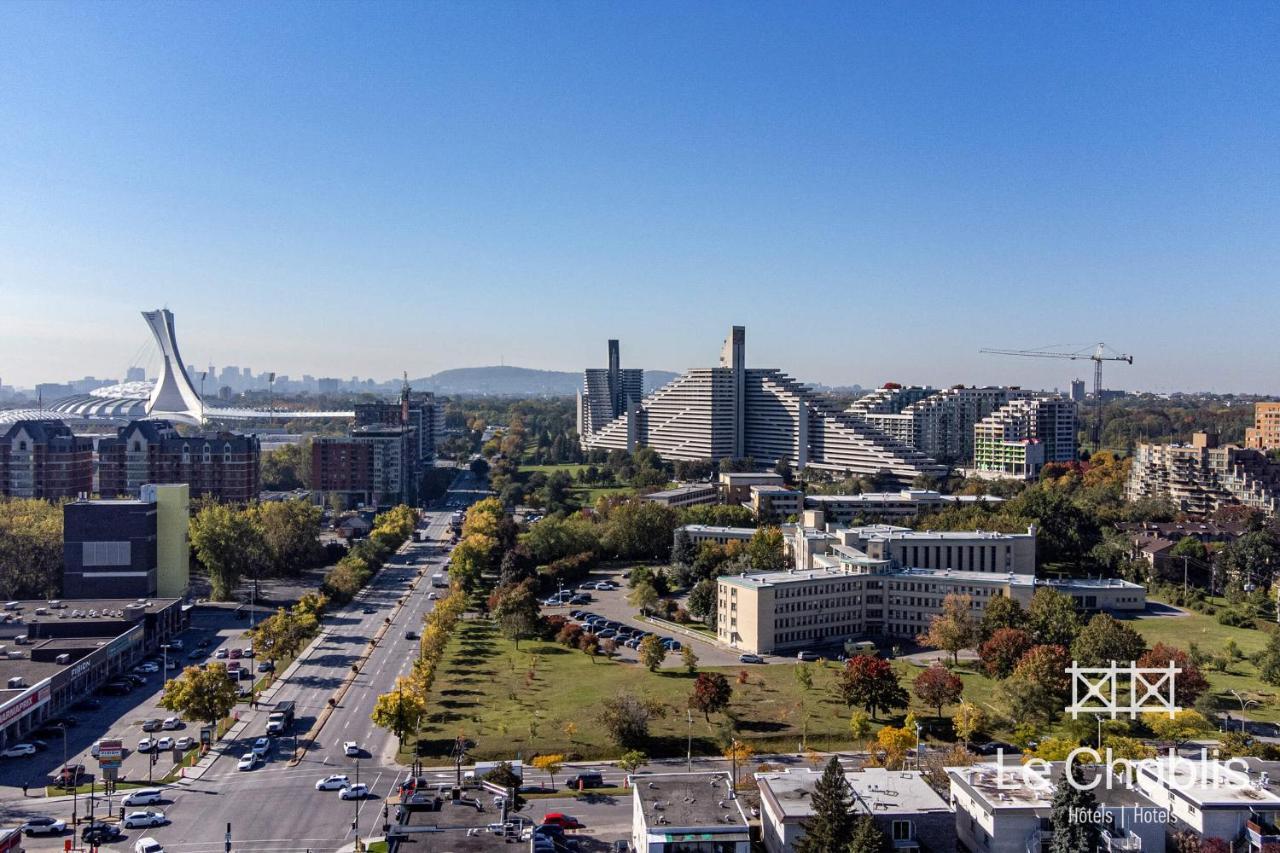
x: 733, y: 412
x: 43, y: 459
x: 1020, y: 437
x: 938, y: 423
x: 416, y: 409
x: 908, y: 503
x: 687, y: 813
x: 1202, y: 476
x: 373, y: 465
x: 1265, y: 432
x: 776, y: 503
x: 1222, y: 801
x: 901, y: 802
x: 735, y: 486
x: 699, y: 533
x: 608, y: 393
x: 689, y: 494
x: 223, y: 465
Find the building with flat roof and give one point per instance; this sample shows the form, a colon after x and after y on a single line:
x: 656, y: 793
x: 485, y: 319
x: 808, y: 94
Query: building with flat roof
x: 416, y: 409
x: 688, y: 494
x: 1202, y: 476
x: 682, y: 812
x: 938, y: 423
x: 699, y: 533
x: 125, y: 547
x: 57, y: 652
x: 901, y: 802
x: 776, y: 503
x: 907, y: 503
x: 734, y: 412
x: 608, y: 392
x: 1265, y: 432
x: 373, y: 465
x: 43, y: 459
x: 736, y: 485
x: 224, y: 465
x: 1022, y: 436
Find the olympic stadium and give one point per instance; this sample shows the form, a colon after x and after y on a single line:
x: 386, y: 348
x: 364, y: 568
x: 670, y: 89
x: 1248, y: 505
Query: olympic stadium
x: 171, y: 396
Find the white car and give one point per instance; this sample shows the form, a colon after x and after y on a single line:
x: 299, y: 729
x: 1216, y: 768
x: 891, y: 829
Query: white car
x: 147, y: 845
x: 262, y: 746
x: 18, y: 750
x: 431, y: 596
x: 146, y: 744
x: 147, y: 667
x: 332, y: 783
x: 145, y: 818
x: 185, y: 743
x: 171, y: 723
x: 143, y: 797
x: 249, y: 761
x: 350, y: 748
x: 605, y: 585
x: 44, y: 826
x: 164, y: 744
x: 354, y: 792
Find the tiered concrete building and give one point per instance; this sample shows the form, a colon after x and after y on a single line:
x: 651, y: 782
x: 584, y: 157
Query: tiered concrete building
x: 1020, y: 437
x: 731, y: 411
x: 43, y: 459
x: 938, y: 423
x: 608, y: 393
x: 1201, y: 476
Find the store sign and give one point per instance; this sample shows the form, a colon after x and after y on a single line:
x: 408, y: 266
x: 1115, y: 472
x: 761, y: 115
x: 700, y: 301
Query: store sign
x: 33, y: 698
x: 110, y: 753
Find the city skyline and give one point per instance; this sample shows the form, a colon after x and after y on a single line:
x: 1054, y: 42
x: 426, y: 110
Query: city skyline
x: 449, y: 186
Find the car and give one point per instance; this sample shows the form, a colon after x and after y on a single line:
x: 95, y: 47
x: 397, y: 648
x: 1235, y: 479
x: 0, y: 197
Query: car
x: 44, y: 826
x: 993, y: 747
x: 247, y: 652
x: 195, y: 654
x: 220, y: 654
x: 266, y: 666
x: 173, y: 663
x: 134, y: 678
x: 148, y: 845
x: 176, y: 644
x: 40, y: 744
x: 262, y: 746
x: 607, y: 634
x: 633, y: 643
x: 577, y: 614
x: 410, y: 635
x: 18, y: 750
x: 750, y: 658
x: 580, y: 599
x: 143, y: 797
x: 248, y: 761
x: 152, y: 725
x: 116, y: 688
x: 354, y: 792
x: 351, y: 748
x: 149, y: 817
x: 562, y: 820
x: 235, y: 654
x: 146, y: 744
x: 332, y: 783
x: 605, y: 586
x: 185, y: 743
x: 552, y: 602
x: 431, y: 596
x: 808, y: 656
x: 171, y: 723
x: 368, y: 610
x: 146, y: 668
x: 98, y: 833
x: 585, y: 780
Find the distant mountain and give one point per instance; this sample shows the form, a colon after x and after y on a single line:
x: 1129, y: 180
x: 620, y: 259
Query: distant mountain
x: 507, y: 381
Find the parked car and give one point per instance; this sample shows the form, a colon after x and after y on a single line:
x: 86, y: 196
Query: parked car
x: 354, y: 792
x: 144, y: 818
x: 171, y: 723
x: 195, y: 654
x: 18, y: 750
x: 750, y: 658
x: 185, y: 743
x: 220, y: 654
x: 152, y: 725
x: 562, y: 820
x: 992, y: 747
x: 115, y: 688
x: 164, y: 744
x: 351, y: 748
x: 266, y: 666
x: 332, y: 783
x: 44, y: 826
x: 808, y: 656
x: 146, y: 744
x: 235, y: 654
x: 134, y: 678
x: 147, y: 845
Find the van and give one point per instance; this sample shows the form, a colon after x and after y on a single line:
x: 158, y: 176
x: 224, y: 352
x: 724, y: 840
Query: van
x: 585, y: 780
x: 143, y: 797
x: 148, y: 845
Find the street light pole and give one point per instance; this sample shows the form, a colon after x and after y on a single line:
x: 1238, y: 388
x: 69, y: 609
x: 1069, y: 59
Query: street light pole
x: 688, y: 755
x: 355, y: 824
x: 164, y: 651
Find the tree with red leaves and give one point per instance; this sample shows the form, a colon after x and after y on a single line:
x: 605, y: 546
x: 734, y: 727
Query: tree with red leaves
x: 1188, y: 684
x: 936, y: 686
x: 1001, y: 653
x: 870, y: 681
x: 711, y: 693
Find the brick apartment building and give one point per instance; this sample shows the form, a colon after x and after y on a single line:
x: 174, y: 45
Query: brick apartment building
x: 223, y: 465
x: 43, y: 459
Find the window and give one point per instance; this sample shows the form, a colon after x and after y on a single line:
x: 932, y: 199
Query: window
x: 105, y: 554
x: 22, y: 445
x: 902, y: 830
x: 137, y: 446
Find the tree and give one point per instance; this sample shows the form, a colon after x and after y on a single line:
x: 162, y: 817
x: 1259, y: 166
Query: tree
x: 895, y: 742
x: 867, y: 837
x: 953, y: 629
x: 1104, y: 640
x: 765, y: 550
x: 30, y: 548
x: 1183, y: 726
x: 1070, y: 800
x: 683, y: 551
x: 402, y: 709
x: 711, y: 694
x: 870, y: 682
x: 702, y: 600
x: 1001, y: 612
x: 516, y: 610
x: 832, y: 824
x: 284, y: 633
x: 968, y: 721
x: 1002, y: 651
x: 626, y: 718
x: 549, y: 764
x: 228, y: 544
x: 936, y: 686
x: 1189, y: 684
x: 202, y: 694
x: 632, y: 760
x: 640, y: 530
x: 290, y: 534
x: 287, y: 468
x: 804, y: 675
x: 689, y: 658
x: 479, y: 468
x: 859, y: 724
x: 652, y: 652
x: 1053, y: 618
x: 1037, y: 688
x: 643, y: 597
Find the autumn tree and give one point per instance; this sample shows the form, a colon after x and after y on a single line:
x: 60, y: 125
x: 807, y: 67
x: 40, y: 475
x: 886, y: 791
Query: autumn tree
x: 1189, y: 684
x: 228, y: 544
x: 290, y: 532
x: 516, y: 609
x: 401, y: 709
x: 1052, y: 617
x: 202, y: 694
x: 549, y: 764
x: 1037, y: 689
x: 870, y: 682
x: 284, y: 633
x: 936, y: 686
x: 30, y: 548
x: 689, y: 658
x: 711, y: 694
x: 895, y: 743
x: 643, y: 597
x: 953, y: 629
x: 1104, y: 640
x: 968, y: 721
x: 1002, y: 651
x: 1001, y: 612
x: 1183, y: 726
x: 652, y: 652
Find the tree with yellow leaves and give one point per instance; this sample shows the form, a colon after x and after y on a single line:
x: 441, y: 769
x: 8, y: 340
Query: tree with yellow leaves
x: 895, y: 743
x: 968, y: 721
x: 402, y: 709
x: 549, y: 764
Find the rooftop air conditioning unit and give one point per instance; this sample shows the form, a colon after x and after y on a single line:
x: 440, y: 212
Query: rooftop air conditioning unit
x: 16, y: 682
x: 63, y: 659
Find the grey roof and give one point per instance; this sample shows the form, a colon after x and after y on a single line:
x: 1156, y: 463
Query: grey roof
x: 673, y: 801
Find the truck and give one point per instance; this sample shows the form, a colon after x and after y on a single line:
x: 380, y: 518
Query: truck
x: 280, y: 718
x: 484, y: 767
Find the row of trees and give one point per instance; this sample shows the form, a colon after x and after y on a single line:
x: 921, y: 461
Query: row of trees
x: 262, y: 539
x: 352, y: 572
x: 30, y: 548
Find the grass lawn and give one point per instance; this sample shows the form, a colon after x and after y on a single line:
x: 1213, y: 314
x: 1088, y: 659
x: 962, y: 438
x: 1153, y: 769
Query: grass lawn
x: 583, y: 494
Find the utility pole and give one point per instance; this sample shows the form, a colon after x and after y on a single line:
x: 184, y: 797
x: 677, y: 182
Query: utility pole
x: 688, y: 755
x: 1184, y: 578
x: 227, y: 839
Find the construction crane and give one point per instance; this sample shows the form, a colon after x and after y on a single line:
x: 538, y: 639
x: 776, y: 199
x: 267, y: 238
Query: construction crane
x: 1099, y: 354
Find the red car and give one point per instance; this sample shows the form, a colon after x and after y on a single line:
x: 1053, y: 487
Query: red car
x: 564, y: 821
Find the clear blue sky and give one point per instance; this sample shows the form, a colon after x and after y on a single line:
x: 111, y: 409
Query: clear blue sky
x: 874, y: 190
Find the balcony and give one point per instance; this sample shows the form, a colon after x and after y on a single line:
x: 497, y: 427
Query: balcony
x: 1126, y: 842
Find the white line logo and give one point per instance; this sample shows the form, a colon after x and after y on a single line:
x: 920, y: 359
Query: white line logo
x: 1146, y: 689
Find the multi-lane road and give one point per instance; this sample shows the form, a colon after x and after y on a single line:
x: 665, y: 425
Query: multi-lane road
x: 276, y: 807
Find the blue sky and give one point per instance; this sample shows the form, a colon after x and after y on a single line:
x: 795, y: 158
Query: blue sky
x: 874, y: 190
